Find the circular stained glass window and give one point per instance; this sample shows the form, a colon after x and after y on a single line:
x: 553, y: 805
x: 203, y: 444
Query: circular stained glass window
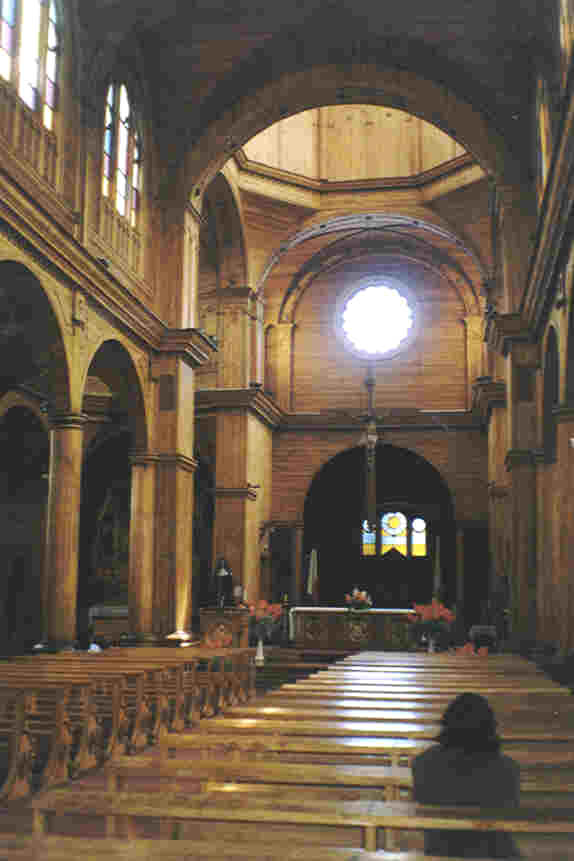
x: 394, y: 523
x: 376, y: 319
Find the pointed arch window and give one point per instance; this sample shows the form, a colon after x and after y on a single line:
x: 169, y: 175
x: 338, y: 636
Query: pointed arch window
x: 406, y: 535
x: 29, y: 53
x: 121, y: 170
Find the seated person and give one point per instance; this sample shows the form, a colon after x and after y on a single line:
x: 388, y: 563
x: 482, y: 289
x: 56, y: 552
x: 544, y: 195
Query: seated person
x: 466, y: 767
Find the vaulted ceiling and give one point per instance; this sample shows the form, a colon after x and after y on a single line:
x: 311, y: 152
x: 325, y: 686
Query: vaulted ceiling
x: 201, y: 56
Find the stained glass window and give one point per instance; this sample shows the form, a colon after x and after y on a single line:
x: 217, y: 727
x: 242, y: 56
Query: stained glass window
x: 29, y: 50
x: 369, y: 540
x: 406, y: 535
x: 418, y: 537
x: 121, y: 167
x: 394, y: 532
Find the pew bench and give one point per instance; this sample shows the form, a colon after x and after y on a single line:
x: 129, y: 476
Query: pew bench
x: 360, y: 751
x: 353, y: 823
x: 52, y: 847
x: 121, y: 705
x: 557, y: 783
x: 59, y: 733
x: 374, y: 729
x: 561, y: 718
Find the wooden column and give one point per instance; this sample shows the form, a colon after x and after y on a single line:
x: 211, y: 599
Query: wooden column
x: 460, y: 570
x: 474, y: 326
x: 142, y: 529
x: 520, y: 462
x: 62, y: 532
x: 234, y: 336
x: 232, y: 515
x: 173, y: 543
x: 517, y: 227
x: 283, y: 362
x: 522, y: 467
x: 297, y: 550
x: 173, y: 372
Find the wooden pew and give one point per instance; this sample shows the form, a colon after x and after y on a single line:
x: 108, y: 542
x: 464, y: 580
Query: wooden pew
x: 60, y: 727
x: 375, y: 729
x: 119, y: 697
x: 223, y: 676
x: 344, y: 750
x: 562, y: 718
x: 16, y: 750
x: 395, y: 780
x: 50, y: 847
x: 355, y: 823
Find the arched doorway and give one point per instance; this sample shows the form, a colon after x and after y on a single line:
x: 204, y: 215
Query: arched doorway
x: 114, y: 404
x: 104, y: 526
x: 24, y: 463
x: 333, y: 518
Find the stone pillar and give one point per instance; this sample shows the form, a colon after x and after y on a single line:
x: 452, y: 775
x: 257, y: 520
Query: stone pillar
x: 62, y: 528
x: 142, y: 529
x: 234, y: 334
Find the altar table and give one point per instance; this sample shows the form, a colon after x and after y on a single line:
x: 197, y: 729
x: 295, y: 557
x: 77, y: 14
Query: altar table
x: 340, y: 628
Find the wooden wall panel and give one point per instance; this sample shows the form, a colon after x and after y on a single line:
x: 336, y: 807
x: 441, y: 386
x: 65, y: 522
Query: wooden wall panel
x: 459, y: 456
x: 430, y: 374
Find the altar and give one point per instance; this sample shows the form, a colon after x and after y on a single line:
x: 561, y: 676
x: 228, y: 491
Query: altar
x: 341, y: 628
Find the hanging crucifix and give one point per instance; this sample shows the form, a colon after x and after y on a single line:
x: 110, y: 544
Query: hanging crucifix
x: 370, y: 439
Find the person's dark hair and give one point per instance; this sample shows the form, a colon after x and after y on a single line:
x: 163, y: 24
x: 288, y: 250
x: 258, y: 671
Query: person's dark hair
x: 469, y: 723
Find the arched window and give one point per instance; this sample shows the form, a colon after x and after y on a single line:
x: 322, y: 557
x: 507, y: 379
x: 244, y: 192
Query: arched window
x: 396, y: 531
x: 121, y: 170
x: 29, y: 51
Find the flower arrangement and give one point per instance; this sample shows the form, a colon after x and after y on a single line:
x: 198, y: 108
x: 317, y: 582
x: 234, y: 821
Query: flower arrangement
x: 358, y: 600
x: 430, y: 620
x: 264, y: 616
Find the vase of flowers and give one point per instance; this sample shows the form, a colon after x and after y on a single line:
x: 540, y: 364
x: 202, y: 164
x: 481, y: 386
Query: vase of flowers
x: 430, y: 622
x: 264, y: 617
x: 358, y: 600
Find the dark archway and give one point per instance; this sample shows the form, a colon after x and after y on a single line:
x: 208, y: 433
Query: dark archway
x: 24, y: 464
x: 334, y: 511
x: 104, y: 525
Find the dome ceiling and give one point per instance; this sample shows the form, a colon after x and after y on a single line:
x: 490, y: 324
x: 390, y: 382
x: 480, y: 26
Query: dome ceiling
x: 346, y: 143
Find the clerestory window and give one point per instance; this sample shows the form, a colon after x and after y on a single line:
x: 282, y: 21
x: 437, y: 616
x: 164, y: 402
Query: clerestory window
x: 395, y: 531
x: 29, y: 53
x: 121, y: 169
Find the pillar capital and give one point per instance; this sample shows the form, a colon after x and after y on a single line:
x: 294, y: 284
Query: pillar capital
x: 247, y: 492
x: 68, y: 420
x: 503, y: 331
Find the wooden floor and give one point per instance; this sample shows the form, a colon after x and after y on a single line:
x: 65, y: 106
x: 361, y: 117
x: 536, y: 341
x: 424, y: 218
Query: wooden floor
x: 314, y: 769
